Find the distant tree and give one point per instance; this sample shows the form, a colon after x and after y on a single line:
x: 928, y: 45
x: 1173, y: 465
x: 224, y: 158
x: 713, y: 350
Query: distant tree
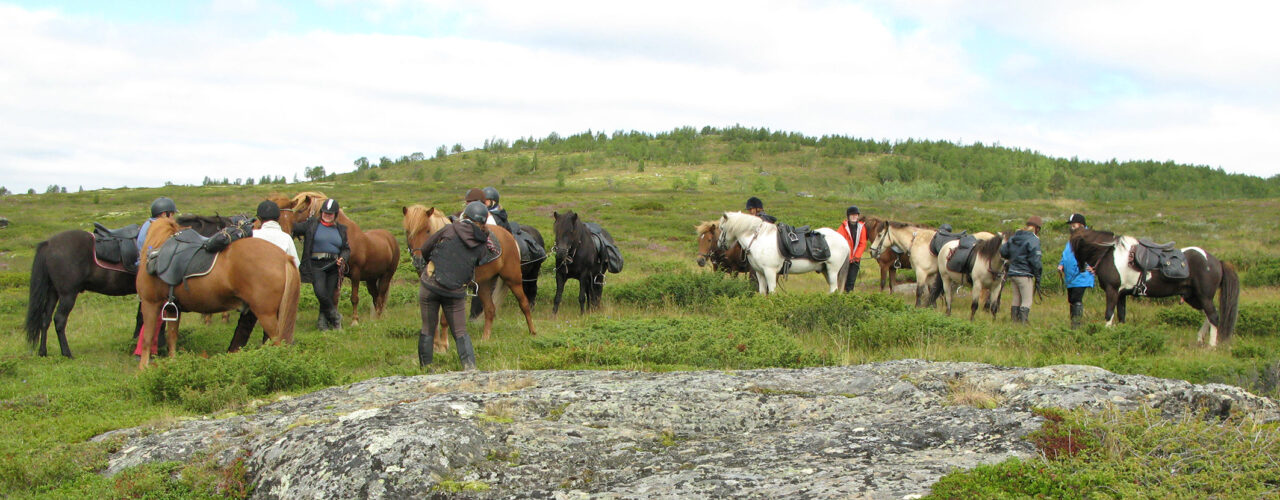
x: 295, y: 178
x: 237, y: 181
x: 384, y: 162
x: 81, y: 189
x: 457, y: 148
x: 314, y: 173
x: 373, y: 175
x: 361, y: 163
x: 4, y: 191
x: 438, y: 174
x: 248, y: 181
x: 53, y: 188
x: 442, y: 152
x: 31, y: 190
x: 417, y: 157
x: 64, y: 190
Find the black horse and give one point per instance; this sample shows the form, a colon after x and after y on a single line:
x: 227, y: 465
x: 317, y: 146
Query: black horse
x: 578, y: 258
x: 530, y: 270
x: 64, y: 266
x: 1111, y: 258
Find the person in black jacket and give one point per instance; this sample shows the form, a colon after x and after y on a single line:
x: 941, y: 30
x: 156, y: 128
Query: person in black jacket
x: 455, y: 250
x: 1023, y: 253
x: 324, y: 255
x: 492, y: 201
x: 756, y: 207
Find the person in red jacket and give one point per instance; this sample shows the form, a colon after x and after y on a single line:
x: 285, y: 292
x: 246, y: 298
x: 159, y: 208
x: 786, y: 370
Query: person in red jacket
x: 854, y: 232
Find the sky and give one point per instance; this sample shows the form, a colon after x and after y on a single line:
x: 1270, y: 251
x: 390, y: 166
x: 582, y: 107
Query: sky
x: 108, y: 94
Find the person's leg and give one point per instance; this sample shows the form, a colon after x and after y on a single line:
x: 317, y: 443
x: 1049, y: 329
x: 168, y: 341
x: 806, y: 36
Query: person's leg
x: 1027, y: 289
x: 1075, y: 297
x: 455, y: 313
x: 429, y: 309
x: 852, y: 276
x: 324, y: 294
x: 1015, y: 305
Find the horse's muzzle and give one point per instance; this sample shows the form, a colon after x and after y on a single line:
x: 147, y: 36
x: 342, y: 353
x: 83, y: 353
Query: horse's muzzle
x: 419, y: 264
x: 702, y: 261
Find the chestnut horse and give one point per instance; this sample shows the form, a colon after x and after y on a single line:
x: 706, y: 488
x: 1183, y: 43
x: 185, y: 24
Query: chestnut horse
x: 890, y: 261
x: 251, y: 271
x: 421, y: 222
x: 374, y: 254
x: 709, y: 251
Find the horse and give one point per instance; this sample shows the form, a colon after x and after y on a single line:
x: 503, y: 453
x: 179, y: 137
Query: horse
x: 759, y: 239
x: 709, y: 252
x: 374, y: 254
x: 1111, y: 258
x: 889, y: 260
x: 250, y: 272
x: 915, y: 240
x: 64, y: 266
x: 421, y: 222
x: 985, y: 277
x: 578, y: 258
x: 530, y: 270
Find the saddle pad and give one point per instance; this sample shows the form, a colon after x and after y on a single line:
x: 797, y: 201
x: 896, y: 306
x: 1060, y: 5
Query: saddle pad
x: 495, y: 249
x: 942, y: 238
x: 180, y: 257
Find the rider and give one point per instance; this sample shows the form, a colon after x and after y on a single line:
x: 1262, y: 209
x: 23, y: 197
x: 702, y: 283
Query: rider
x: 162, y: 208
x: 492, y: 202
x: 269, y: 214
x: 854, y: 232
x: 1023, y: 253
x: 325, y: 251
x: 1076, y: 281
x: 756, y: 207
x: 456, y: 250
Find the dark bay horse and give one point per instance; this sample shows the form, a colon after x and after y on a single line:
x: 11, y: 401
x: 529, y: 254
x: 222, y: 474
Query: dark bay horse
x: 250, y: 272
x: 890, y: 261
x: 1111, y: 258
x: 374, y: 254
x: 577, y: 258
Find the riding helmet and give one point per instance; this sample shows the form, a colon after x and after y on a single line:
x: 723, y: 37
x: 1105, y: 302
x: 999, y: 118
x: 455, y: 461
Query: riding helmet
x: 1036, y: 221
x: 268, y: 210
x: 1076, y: 218
x: 754, y: 202
x: 853, y: 209
x: 474, y: 194
x: 491, y: 194
x: 476, y: 212
x: 162, y: 205
x: 330, y: 206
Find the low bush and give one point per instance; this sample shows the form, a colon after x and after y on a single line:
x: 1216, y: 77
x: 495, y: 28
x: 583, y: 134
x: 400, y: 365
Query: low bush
x: 684, y: 289
x: 14, y: 279
x: 206, y: 385
x: 1126, y: 340
x: 1180, y: 316
x: 670, y: 343
x: 881, y: 330
x: 1262, y: 272
x: 1259, y: 319
x: 815, y: 312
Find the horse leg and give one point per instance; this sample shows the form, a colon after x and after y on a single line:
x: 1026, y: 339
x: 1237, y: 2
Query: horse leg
x: 207, y: 318
x: 526, y: 305
x: 584, y: 288
x: 560, y: 279
x: 597, y: 290
x: 65, y: 303
x: 1211, y: 319
x: 1112, y: 297
x: 355, y: 300
x: 485, y: 294
x: 150, y: 329
x: 171, y: 333
x: 384, y: 291
x: 947, y: 291
x: 770, y: 281
x: 980, y: 294
x: 1121, y: 299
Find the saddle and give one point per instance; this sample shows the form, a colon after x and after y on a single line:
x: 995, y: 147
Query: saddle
x: 962, y: 258
x: 605, y: 247
x: 1168, y: 259
x: 802, y: 243
x: 530, y: 249
x: 182, y: 256
x: 942, y: 238
x: 117, y: 246
x: 494, y: 248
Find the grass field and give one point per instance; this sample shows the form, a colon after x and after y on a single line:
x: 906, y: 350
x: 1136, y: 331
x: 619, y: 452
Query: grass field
x: 51, y: 406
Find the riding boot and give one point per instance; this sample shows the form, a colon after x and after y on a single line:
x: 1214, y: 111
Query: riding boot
x: 1026, y: 315
x: 426, y: 350
x: 1015, y: 314
x: 466, y: 353
x: 335, y: 319
x: 1077, y: 315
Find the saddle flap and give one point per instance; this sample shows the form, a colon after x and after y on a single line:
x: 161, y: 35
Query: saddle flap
x: 494, y: 248
x: 962, y: 258
x: 180, y: 257
x: 1156, y: 246
x: 1171, y: 262
x: 608, y: 254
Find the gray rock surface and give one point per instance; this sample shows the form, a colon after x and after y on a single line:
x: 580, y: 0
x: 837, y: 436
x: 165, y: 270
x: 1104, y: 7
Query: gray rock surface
x: 884, y: 430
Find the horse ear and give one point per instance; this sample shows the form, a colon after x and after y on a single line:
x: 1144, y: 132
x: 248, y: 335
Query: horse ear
x: 404, y: 210
x: 431, y: 211
x: 555, y: 215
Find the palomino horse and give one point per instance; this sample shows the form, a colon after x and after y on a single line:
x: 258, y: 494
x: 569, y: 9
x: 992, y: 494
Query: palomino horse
x: 760, y: 241
x: 915, y: 240
x: 374, y: 254
x: 1110, y: 256
x: 709, y: 251
x: 985, y: 277
x: 889, y: 260
x: 421, y: 222
x: 250, y: 272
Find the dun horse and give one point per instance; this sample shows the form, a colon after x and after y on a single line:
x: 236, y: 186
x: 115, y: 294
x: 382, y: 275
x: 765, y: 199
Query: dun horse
x: 250, y: 272
x: 1111, y: 258
x: 915, y: 240
x: 421, y: 222
x: 985, y: 277
x: 374, y: 254
x: 760, y: 241
x: 890, y: 261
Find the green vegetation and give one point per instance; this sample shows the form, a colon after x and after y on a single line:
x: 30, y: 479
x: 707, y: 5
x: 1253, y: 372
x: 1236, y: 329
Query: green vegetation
x: 662, y: 312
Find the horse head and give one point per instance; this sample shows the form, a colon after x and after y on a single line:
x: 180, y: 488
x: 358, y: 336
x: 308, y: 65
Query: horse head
x: 419, y: 224
x: 1091, y: 246
x: 708, y: 241
x: 878, y: 244
x: 566, y: 228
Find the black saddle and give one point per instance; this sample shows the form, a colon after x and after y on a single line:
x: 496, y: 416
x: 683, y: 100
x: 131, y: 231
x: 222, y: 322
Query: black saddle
x: 942, y: 238
x: 605, y: 247
x: 1156, y: 246
x: 962, y: 259
x: 1169, y: 260
x: 117, y: 245
x: 530, y: 249
x: 802, y: 243
x: 181, y: 257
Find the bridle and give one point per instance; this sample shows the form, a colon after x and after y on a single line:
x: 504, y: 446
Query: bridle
x: 876, y: 250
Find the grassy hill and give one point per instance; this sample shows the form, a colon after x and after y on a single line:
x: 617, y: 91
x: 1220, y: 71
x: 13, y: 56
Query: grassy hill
x: 649, y: 190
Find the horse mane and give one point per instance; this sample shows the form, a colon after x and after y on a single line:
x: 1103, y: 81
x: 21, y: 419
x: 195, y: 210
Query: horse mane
x: 706, y: 227
x: 281, y: 200
x: 168, y: 227
x: 737, y: 222
x: 1094, y: 237
x: 317, y: 200
x: 989, y: 247
x: 416, y: 217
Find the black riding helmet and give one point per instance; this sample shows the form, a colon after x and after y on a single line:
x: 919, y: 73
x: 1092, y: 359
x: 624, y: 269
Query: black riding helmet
x: 330, y: 206
x: 476, y: 212
x: 162, y: 205
x: 853, y: 209
x: 491, y: 194
x: 268, y: 210
x: 754, y: 202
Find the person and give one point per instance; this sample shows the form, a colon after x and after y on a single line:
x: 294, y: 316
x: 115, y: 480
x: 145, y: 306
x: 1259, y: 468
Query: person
x: 1073, y: 278
x: 161, y: 208
x: 456, y: 250
x: 854, y: 232
x: 756, y: 207
x: 269, y: 215
x: 1023, y: 253
x: 325, y: 251
x: 492, y: 200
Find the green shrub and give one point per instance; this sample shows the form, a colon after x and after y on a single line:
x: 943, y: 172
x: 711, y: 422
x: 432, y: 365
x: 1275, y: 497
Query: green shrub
x: 815, y: 311
x: 1259, y: 319
x: 691, y: 342
x: 206, y: 385
x: 684, y: 289
x: 1124, y: 340
x: 883, y: 329
x: 13, y: 279
x: 1180, y: 317
x: 1265, y: 272
x: 401, y: 295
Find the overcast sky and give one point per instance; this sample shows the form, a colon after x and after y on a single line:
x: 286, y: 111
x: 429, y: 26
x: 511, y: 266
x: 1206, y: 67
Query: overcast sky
x: 103, y: 94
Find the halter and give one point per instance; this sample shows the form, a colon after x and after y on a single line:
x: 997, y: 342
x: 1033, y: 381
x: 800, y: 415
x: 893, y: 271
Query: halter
x: 877, y: 250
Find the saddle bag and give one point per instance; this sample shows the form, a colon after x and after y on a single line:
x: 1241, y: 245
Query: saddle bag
x: 606, y: 248
x: 818, y: 248
x: 225, y: 236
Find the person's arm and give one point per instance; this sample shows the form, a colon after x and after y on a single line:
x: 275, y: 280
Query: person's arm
x: 1037, y: 266
x: 344, y: 252
x: 862, y: 242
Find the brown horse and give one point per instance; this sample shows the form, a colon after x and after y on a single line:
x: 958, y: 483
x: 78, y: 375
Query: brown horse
x: 709, y: 251
x: 374, y: 254
x: 250, y: 272
x: 889, y: 260
x: 421, y: 222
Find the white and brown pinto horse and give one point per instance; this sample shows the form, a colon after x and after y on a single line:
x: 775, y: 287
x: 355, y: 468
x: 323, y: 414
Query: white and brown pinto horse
x: 1110, y: 256
x: 915, y: 240
x: 985, y: 277
x: 759, y: 239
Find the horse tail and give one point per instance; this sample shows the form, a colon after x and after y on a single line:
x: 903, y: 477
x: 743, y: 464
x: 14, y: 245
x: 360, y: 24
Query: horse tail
x: 936, y: 288
x: 1228, y: 301
x: 42, y: 299
x: 288, y: 311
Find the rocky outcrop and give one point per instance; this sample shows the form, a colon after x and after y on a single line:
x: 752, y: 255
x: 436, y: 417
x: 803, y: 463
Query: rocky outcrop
x: 884, y: 430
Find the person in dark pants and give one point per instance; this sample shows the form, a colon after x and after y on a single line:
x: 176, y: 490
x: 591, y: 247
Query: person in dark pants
x: 855, y: 233
x: 1073, y: 278
x: 756, y: 207
x: 324, y: 254
x: 456, y: 250
x: 1023, y: 253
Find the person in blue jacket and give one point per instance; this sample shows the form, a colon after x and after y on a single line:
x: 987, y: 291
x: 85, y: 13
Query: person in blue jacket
x: 1077, y: 281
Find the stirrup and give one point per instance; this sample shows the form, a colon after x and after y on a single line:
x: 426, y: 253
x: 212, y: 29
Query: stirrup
x: 470, y: 286
x: 169, y: 311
